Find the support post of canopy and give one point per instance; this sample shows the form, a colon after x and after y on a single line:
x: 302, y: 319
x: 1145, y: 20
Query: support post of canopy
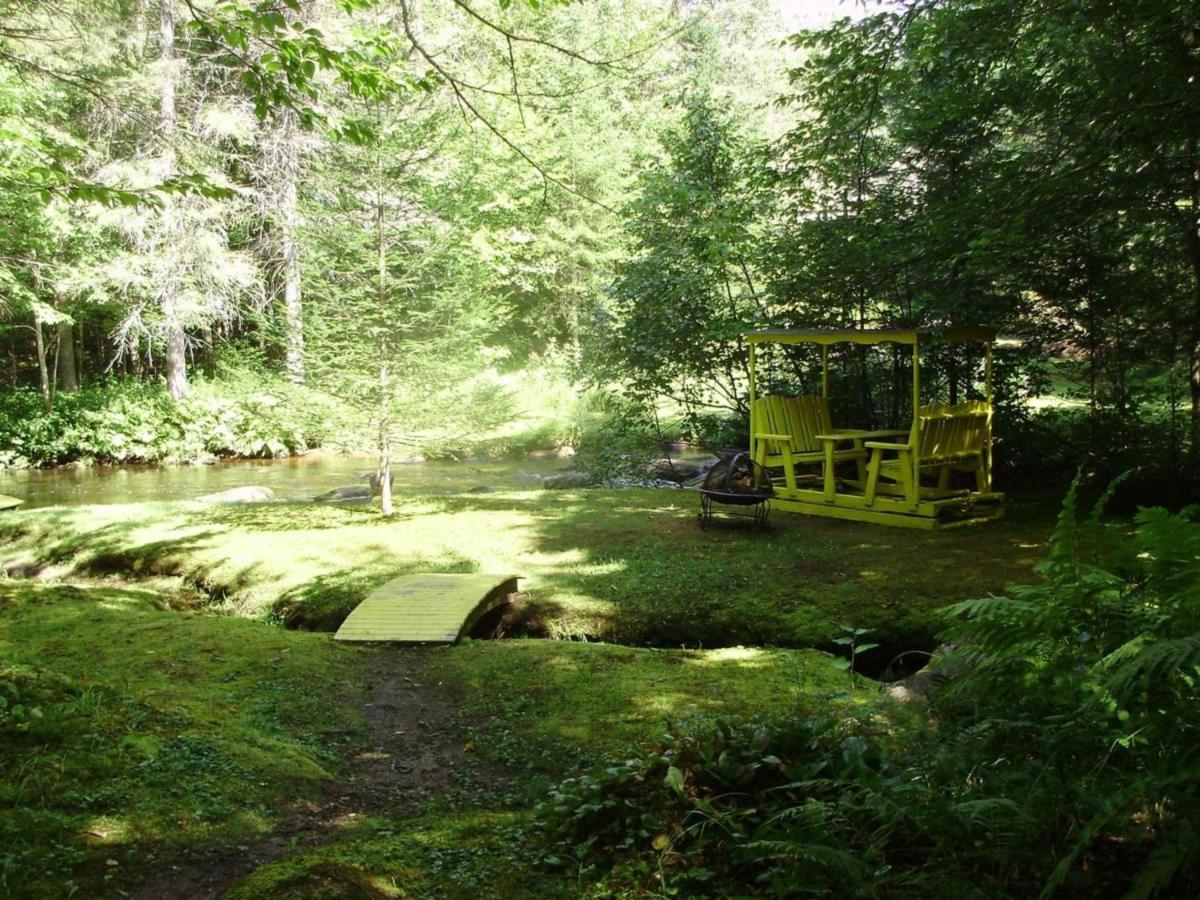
x: 825, y: 371
x: 751, y: 373
x: 987, y: 444
x: 915, y: 434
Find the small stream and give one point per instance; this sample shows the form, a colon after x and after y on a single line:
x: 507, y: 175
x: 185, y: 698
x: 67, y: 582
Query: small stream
x: 298, y: 478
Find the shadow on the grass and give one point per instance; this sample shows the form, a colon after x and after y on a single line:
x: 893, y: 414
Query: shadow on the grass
x: 667, y: 583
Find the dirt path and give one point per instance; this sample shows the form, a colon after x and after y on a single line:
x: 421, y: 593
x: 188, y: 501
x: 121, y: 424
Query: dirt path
x: 413, y: 753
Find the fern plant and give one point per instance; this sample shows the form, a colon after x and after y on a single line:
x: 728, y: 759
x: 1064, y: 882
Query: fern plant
x: 1063, y: 759
x: 1090, y: 681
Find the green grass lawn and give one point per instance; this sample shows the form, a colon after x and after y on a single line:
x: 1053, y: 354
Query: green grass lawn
x: 628, y: 566
x: 539, y: 709
x: 543, y: 705
x: 154, y: 705
x: 129, y: 730
x: 141, y: 732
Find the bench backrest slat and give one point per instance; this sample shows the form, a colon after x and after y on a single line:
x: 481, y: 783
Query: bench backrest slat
x: 948, y: 429
x: 802, y: 418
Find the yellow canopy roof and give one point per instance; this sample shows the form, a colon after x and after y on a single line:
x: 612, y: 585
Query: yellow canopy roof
x: 826, y: 336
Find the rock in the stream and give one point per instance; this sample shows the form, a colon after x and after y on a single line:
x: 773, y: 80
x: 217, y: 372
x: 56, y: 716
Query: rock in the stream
x: 480, y: 489
x: 248, y: 494
x: 373, y: 479
x: 563, y: 480
x: 681, y: 470
x: 629, y: 482
x: 923, y: 684
x: 558, y: 453
x: 358, y: 493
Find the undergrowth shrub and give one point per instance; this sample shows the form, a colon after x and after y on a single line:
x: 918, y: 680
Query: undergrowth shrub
x: 619, y: 437
x: 126, y: 422
x: 1087, y: 684
x: 1062, y: 760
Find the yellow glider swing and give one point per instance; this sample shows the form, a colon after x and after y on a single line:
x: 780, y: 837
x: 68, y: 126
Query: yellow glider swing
x: 945, y: 440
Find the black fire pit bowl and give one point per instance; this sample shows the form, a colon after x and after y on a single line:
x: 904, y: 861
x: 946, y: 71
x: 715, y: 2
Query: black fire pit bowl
x: 737, y: 481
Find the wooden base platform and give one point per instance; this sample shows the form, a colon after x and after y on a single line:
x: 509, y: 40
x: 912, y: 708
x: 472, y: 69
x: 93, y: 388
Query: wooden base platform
x: 929, y: 513
x: 426, y: 609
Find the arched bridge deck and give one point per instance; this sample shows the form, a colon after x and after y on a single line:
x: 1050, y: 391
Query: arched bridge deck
x: 426, y: 609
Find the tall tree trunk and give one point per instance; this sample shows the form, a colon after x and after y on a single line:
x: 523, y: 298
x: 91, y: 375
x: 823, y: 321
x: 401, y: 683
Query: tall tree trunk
x: 293, y: 311
x: 175, y: 360
x: 1190, y: 223
x: 68, y: 377
x: 43, y: 371
x: 39, y: 335
x: 78, y: 352
x: 385, y: 392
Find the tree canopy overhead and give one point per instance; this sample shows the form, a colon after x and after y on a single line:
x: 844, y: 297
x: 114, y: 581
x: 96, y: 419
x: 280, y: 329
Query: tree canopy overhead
x: 638, y: 182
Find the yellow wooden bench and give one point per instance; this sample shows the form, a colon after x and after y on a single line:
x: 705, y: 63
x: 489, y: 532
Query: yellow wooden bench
x: 945, y: 438
x: 784, y: 431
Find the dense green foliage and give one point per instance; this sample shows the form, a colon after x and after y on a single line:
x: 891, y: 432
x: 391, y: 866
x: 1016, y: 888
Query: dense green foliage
x: 251, y: 228
x: 1030, y: 166
x: 1062, y: 754
x: 1021, y: 165
x: 394, y: 205
x: 237, y: 415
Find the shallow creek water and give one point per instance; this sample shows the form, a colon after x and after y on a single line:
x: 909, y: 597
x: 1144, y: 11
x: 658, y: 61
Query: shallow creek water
x: 299, y: 478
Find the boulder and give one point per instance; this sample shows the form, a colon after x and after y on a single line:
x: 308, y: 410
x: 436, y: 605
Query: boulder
x: 480, y: 489
x: 358, y: 493
x: 373, y: 479
x: 248, y: 494
x: 557, y: 453
x: 627, y: 482
x: 920, y: 686
x: 681, y: 470
x: 563, y: 480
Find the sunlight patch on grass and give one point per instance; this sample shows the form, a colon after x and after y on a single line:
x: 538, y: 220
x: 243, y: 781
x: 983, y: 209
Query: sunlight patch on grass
x: 629, y: 565
x: 106, y: 830
x: 155, y: 730
x: 558, y: 701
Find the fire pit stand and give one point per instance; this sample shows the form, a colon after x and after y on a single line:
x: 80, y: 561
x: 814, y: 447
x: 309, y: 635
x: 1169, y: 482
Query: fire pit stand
x: 737, y: 481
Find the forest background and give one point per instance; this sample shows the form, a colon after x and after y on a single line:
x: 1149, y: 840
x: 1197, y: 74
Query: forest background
x: 446, y: 228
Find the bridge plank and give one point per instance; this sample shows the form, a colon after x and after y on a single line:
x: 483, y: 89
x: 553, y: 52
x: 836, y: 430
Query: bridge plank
x: 426, y: 609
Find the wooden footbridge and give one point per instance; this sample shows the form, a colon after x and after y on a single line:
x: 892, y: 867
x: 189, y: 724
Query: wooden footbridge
x: 427, y: 609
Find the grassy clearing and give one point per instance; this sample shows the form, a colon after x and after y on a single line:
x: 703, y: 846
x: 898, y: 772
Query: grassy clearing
x: 162, y: 729
x: 627, y: 566
x: 143, y: 731
x: 466, y: 854
x: 539, y: 709
x: 544, y: 706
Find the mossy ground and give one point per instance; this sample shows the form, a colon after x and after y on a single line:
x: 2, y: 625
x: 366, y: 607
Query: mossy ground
x: 626, y: 566
x: 142, y: 731
x: 542, y: 706
x: 183, y: 718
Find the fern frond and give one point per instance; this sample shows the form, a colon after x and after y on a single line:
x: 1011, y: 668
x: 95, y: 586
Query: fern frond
x: 1177, y: 852
x: 1153, y: 659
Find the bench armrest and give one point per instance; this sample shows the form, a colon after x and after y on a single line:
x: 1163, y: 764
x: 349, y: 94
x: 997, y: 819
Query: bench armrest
x: 773, y: 437
x: 883, y: 445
